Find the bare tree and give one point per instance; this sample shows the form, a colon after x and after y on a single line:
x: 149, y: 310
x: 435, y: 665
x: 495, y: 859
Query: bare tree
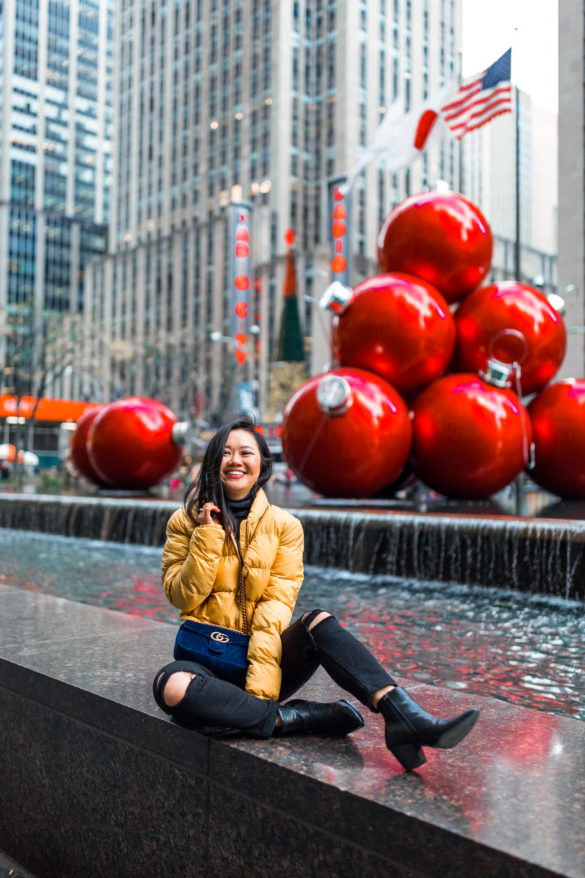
x: 39, y: 347
x: 164, y: 368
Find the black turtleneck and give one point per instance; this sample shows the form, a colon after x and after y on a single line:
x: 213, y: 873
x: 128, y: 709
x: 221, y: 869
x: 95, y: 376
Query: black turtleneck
x: 240, y: 508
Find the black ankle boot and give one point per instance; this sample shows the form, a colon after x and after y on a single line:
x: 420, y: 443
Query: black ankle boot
x: 408, y: 727
x: 314, y: 717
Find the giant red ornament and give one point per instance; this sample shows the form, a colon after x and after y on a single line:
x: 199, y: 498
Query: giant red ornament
x: 512, y: 322
x: 440, y: 237
x: 470, y: 439
x: 78, y: 445
x: 397, y: 326
x: 131, y: 443
x: 558, y: 423
x: 346, y: 433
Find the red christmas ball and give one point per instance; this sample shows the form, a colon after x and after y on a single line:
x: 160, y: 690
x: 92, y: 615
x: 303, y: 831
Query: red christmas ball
x: 397, y: 326
x: 558, y: 423
x: 78, y: 445
x: 470, y: 439
x: 346, y: 433
x: 130, y: 443
x: 512, y: 322
x: 440, y: 237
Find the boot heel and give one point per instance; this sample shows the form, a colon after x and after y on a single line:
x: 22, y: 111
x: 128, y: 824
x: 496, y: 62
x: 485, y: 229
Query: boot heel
x: 409, y: 727
x: 409, y: 755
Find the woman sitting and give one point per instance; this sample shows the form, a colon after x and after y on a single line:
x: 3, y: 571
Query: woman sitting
x: 233, y: 561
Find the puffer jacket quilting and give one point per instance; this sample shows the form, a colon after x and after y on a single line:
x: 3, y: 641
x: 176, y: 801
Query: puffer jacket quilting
x: 200, y: 571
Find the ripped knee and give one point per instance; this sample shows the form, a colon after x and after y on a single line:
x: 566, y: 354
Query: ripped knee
x: 175, y: 687
x: 314, y: 617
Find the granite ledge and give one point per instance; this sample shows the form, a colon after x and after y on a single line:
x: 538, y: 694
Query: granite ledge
x: 508, y: 801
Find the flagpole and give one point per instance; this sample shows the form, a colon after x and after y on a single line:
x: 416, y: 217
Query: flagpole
x: 461, y: 181
x: 519, y: 481
x: 517, y: 265
x: 516, y: 60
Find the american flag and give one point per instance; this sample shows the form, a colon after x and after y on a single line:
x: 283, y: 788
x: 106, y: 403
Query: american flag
x: 480, y: 98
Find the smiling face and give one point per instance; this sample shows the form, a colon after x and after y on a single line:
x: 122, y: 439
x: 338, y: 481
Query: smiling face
x: 240, y: 466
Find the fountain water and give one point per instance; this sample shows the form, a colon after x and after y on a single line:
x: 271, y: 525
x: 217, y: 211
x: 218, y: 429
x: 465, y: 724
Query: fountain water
x: 533, y: 555
x: 527, y: 555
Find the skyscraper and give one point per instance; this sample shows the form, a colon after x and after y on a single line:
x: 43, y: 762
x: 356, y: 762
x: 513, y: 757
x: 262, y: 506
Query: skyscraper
x: 265, y: 102
x: 572, y: 176
x: 55, y: 158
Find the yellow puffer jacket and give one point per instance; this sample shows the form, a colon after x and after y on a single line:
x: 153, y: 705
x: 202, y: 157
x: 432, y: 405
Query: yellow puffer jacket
x: 200, y: 571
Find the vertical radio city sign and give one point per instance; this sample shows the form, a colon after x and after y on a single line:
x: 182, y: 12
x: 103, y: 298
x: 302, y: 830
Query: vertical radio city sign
x: 239, y: 278
x: 340, y: 211
x: 240, y: 270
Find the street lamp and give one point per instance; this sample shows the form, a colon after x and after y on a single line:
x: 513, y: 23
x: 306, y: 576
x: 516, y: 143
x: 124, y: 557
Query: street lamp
x: 219, y: 336
x: 229, y: 339
x: 557, y: 302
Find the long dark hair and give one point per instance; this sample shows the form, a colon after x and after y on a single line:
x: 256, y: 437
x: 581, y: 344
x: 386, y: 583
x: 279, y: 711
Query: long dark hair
x: 206, y: 487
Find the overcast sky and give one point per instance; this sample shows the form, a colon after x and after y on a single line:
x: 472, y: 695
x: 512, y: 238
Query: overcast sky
x: 489, y: 28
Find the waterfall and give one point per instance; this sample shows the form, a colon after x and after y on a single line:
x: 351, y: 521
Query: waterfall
x: 104, y: 518
x: 532, y: 555
x: 527, y: 555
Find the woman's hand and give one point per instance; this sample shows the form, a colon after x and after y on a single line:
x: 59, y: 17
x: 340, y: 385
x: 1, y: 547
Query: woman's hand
x: 208, y: 514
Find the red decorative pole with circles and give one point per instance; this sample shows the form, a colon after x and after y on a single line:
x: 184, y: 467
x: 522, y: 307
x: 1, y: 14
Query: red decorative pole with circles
x: 340, y: 203
x: 240, y: 265
x: 241, y: 283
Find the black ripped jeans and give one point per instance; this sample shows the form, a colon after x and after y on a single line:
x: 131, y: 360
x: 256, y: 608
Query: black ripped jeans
x: 214, y: 706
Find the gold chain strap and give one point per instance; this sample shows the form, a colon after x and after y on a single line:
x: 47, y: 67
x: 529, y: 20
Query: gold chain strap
x: 242, y: 589
x: 242, y: 578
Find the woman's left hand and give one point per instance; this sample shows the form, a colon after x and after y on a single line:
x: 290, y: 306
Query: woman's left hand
x: 209, y: 514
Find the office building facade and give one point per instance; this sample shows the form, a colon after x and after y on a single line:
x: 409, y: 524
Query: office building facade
x: 55, y: 158
x: 265, y: 103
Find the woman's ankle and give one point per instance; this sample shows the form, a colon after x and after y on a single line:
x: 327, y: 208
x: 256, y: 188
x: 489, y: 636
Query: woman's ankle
x: 379, y: 694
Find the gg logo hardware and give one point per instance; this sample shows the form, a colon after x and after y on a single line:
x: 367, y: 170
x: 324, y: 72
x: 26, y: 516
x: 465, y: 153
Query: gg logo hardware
x: 219, y: 636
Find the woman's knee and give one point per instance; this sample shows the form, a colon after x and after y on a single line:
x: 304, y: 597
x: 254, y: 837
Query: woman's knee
x: 314, y: 617
x: 175, y: 687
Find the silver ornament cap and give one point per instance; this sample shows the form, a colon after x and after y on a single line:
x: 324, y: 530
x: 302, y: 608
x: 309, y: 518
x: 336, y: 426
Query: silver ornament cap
x: 336, y: 298
x: 180, y: 433
x: 497, y: 373
x: 334, y: 395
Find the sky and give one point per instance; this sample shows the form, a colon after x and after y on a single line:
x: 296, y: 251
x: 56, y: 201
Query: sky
x: 530, y: 27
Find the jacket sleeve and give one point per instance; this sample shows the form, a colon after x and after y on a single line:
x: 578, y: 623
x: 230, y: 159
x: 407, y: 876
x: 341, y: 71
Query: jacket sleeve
x: 190, y: 561
x: 273, y: 613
